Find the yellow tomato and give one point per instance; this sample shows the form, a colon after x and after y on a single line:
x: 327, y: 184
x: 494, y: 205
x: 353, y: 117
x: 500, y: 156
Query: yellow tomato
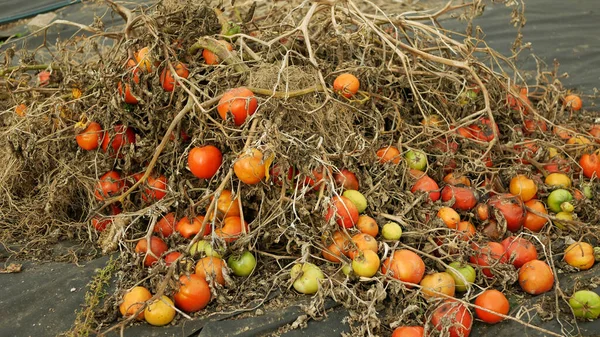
x: 160, y: 312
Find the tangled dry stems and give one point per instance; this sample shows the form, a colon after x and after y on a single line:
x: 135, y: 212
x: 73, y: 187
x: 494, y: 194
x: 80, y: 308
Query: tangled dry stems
x: 288, y: 55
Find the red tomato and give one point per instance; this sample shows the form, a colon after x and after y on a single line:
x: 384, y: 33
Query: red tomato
x: 533, y: 125
x: 157, y: 247
x: 239, y: 102
x: 464, y: 198
x: 127, y: 94
x: 100, y: 222
x: 204, y: 162
x: 426, y: 184
x: 193, y: 294
x: 487, y: 256
x: 454, y: 316
x: 519, y: 250
x: 515, y: 103
x: 171, y: 257
x: 109, y: 184
x: 344, y: 211
x: 166, y: 225
x: 167, y: 80
x: 511, y: 208
x: 484, y: 129
x: 590, y: 163
x: 536, y: 277
x: 123, y: 136
x: 318, y: 181
x: 492, y: 300
x: 91, y: 137
x: 188, y: 229
x: 232, y: 229
x: 156, y: 190
x: 346, y: 179
x: 409, y: 331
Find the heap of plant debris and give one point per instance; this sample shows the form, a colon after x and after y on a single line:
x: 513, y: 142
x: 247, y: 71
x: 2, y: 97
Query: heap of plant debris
x: 418, y: 86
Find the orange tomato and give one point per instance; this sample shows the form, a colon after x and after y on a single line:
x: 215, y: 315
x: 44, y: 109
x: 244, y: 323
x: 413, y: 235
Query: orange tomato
x: 362, y: 242
x: 156, y: 188
x: 226, y: 206
x: 193, y: 293
x: 492, y: 300
x: 91, y: 137
x: 573, y: 101
x: 466, y: 230
x: 171, y: 257
x: 536, y: 277
x: 109, y: 184
x: 212, y: 267
x: 157, y: 248
x: 366, y: 263
x: 210, y: 58
x: 426, y: 184
x: 346, y: 85
x: 437, y: 283
x: 519, y: 250
x: 389, y: 154
x: 249, y: 167
x: 564, y: 133
x: 127, y: 94
x: 409, y: 331
x: 144, y: 60
x: 523, y: 187
x: 457, y: 179
x: 21, y: 110
x: 44, y: 78
x: 167, y: 80
x: 343, y: 211
x: 580, y: 255
x: 166, y: 225
x: 533, y: 222
x: 590, y: 164
x: 482, y: 211
x: 367, y: 225
x: 449, y: 216
x: 239, y: 102
x: 205, y: 161
x: 134, y: 300
x: 189, y: 229
x: 404, y: 265
x: 232, y: 229
x: 338, y: 248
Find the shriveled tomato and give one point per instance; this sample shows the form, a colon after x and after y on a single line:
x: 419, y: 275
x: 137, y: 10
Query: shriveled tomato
x: 580, y: 255
x: 21, y: 110
x: 346, y: 85
x: 484, y: 129
x: 227, y: 206
x: 453, y: 316
x: 590, y: 164
x: 144, y: 59
x: 193, y: 293
x: 492, y: 230
x: 437, y: 283
x: 249, y: 167
x: 523, y: 187
x: 316, y: 180
x: 495, y: 301
x: 134, y: 300
x: 188, y: 228
x: 109, y: 185
x: 563, y: 132
x: 232, y: 229
x: 212, y: 267
x: 573, y: 102
x: 171, y: 257
x: 367, y: 225
x: 426, y: 184
x: 91, y: 137
x: 346, y: 179
x: 482, y: 211
x: 204, y: 162
x: 533, y: 124
x: 157, y: 248
x: 343, y: 211
x: 43, y: 78
x: 487, y: 256
x: 466, y: 230
x: 389, y: 154
x: 511, y: 208
x: 404, y: 265
x: 536, y: 277
x: 156, y: 188
x: 210, y: 58
x: 519, y: 250
x: 361, y: 242
x: 239, y: 102
x: 457, y: 179
x: 461, y: 198
x: 166, y: 225
x: 120, y: 138
x: 366, y: 263
x: 409, y: 331
x: 277, y: 173
x: 100, y: 222
x: 167, y: 80
x: 449, y: 217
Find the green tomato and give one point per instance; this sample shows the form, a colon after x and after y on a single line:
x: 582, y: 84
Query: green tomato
x: 557, y: 197
x: 347, y: 269
x: 357, y: 198
x: 563, y: 216
x: 242, y: 265
x: 306, y: 277
x: 391, y: 231
x: 416, y: 159
x: 587, y: 190
x: 585, y: 304
x: 203, y: 248
x: 467, y: 272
